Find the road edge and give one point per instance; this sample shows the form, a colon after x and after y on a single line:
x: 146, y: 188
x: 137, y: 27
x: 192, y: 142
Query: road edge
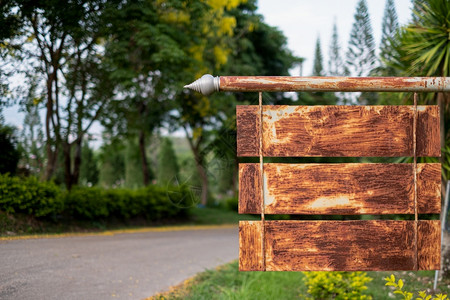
x: 118, y: 231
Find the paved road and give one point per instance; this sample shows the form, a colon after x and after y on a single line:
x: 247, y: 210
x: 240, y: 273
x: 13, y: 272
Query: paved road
x: 123, y: 266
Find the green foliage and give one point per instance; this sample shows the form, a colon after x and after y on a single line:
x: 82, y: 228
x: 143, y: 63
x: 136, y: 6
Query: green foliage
x: 168, y: 170
x: 335, y: 63
x: 41, y: 199
x: 133, y: 164
x: 226, y: 282
x: 425, y: 42
x: 336, y: 285
x: 32, y: 139
x: 89, y: 172
x: 318, y: 60
x: 232, y: 204
x: 112, y: 161
x: 388, y: 42
x: 9, y: 155
x: 398, y: 285
x: 152, y: 203
x: 361, y: 49
x: 29, y: 196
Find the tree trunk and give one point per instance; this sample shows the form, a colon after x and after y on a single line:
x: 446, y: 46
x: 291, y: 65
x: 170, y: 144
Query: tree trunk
x: 51, y: 154
x: 145, y: 170
x: 203, y: 176
x: 77, y: 161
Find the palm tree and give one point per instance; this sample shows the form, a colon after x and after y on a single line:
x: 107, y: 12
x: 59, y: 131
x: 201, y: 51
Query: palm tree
x: 423, y: 49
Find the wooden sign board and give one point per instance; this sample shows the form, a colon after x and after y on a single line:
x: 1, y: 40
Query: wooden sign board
x: 339, y: 189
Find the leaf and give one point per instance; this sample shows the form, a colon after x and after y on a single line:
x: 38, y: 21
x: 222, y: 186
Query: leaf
x: 400, y: 283
x: 398, y: 292
x: 392, y: 277
x: 391, y: 284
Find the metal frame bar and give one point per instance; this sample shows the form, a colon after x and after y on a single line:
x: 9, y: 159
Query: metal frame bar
x: 208, y: 84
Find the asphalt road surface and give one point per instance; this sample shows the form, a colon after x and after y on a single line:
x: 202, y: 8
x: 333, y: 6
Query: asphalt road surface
x: 123, y: 266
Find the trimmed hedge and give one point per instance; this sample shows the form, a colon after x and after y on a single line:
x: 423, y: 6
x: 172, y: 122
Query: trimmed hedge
x: 41, y: 199
x: 29, y: 196
x: 153, y: 203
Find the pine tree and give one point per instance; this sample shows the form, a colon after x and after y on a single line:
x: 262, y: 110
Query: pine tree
x: 89, y: 172
x: 389, y: 28
x: 360, y: 58
x: 361, y: 49
x: 335, y: 64
x: 318, y: 60
x: 168, y: 168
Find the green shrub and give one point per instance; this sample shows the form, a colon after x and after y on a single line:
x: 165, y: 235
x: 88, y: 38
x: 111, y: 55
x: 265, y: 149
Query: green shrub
x: 86, y: 203
x: 153, y: 203
x: 32, y: 197
x: 29, y: 196
x: 336, y: 285
x: 398, y: 286
x: 232, y: 204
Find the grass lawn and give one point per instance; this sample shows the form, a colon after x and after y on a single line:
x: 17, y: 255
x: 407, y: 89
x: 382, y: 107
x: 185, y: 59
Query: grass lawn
x: 226, y: 282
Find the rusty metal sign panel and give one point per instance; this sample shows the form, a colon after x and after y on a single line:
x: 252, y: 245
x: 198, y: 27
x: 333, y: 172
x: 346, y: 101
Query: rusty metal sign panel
x: 337, y: 189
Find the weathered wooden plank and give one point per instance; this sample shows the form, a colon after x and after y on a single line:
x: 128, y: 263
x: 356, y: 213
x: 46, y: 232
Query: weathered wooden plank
x: 428, y: 131
x: 429, y: 245
x: 340, y: 189
x: 429, y: 188
x: 249, y: 189
x: 339, y: 245
x: 330, y: 131
x: 248, y: 127
x: 250, y: 246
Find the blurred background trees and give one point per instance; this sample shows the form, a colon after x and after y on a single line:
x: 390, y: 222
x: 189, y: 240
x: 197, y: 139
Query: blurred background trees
x: 120, y: 67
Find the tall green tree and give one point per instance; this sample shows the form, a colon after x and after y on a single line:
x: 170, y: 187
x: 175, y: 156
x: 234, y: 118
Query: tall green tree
x: 389, y: 28
x: 146, y: 55
x: 168, y: 169
x: 335, y: 63
x: 360, y: 57
x: 209, y: 47
x: 257, y: 49
x: 32, y: 141
x: 89, y: 172
x: 112, y: 161
x: 58, y: 41
x: 318, y: 60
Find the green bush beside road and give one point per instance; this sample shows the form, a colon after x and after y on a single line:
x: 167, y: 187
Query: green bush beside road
x: 31, y: 197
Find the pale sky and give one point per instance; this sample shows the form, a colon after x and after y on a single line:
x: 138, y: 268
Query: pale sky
x: 302, y: 21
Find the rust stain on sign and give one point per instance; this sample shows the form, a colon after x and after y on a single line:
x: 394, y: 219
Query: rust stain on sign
x: 376, y: 245
x: 344, y: 131
x: 339, y: 189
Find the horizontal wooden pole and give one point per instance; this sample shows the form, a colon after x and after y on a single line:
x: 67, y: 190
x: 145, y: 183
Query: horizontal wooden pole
x: 377, y: 245
x: 340, y: 189
x: 334, y: 84
x: 338, y: 131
